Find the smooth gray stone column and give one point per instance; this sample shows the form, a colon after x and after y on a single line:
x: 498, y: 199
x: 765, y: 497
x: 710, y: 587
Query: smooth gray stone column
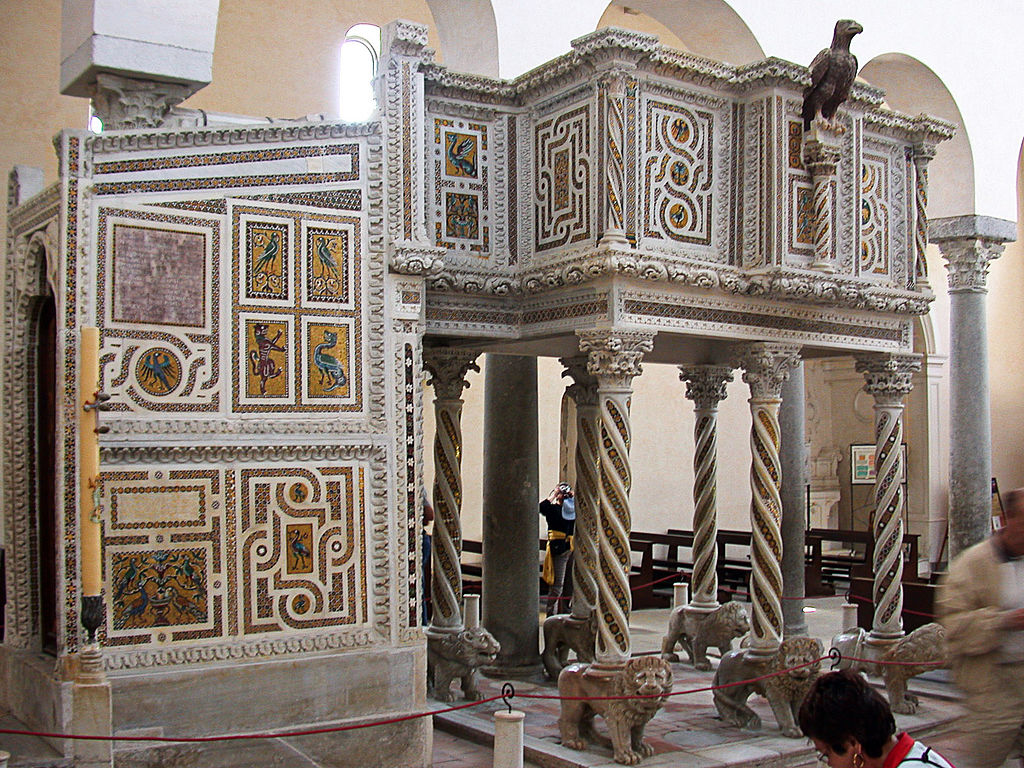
x: 968, y: 244
x: 793, y: 458
x: 511, y: 525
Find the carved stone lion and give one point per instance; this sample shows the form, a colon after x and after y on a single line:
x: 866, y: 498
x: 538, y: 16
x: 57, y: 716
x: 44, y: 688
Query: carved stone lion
x: 625, y: 718
x: 784, y: 692
x: 926, y: 645
x: 696, y: 632
x: 458, y: 655
x: 563, y: 633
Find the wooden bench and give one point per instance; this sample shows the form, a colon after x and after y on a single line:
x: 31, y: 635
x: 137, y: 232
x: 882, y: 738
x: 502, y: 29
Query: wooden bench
x: 918, y: 602
x: 733, y: 566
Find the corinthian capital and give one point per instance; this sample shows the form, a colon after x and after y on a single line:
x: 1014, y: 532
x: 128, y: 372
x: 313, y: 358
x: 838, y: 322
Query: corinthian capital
x: 766, y: 366
x: 967, y: 263
x: 615, y: 354
x: 448, y: 367
x: 583, y: 390
x: 888, y: 376
x: 705, y: 384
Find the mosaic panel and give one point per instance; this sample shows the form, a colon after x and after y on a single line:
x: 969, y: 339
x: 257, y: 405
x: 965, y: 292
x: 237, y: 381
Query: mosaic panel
x: 329, y: 262
x: 679, y: 173
x: 163, y: 555
x: 329, y: 363
x: 268, y: 343
x: 563, y: 179
x: 874, y: 216
x: 302, y: 548
x: 461, y: 209
x: 303, y: 352
x: 159, y: 298
x: 801, y: 216
x: 154, y: 276
x: 268, y: 247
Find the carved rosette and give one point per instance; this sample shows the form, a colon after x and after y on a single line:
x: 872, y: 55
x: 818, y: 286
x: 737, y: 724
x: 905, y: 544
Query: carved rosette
x: 765, y: 369
x: 888, y: 380
x: 613, y: 87
x: 967, y: 263
x: 613, y: 360
x: 922, y: 155
x: 585, y: 564
x: 821, y: 160
x: 706, y: 387
x: 416, y: 259
x: 448, y: 368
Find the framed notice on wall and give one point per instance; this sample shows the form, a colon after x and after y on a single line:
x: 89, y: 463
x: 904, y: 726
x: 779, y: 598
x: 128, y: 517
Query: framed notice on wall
x: 997, y: 507
x: 862, y: 464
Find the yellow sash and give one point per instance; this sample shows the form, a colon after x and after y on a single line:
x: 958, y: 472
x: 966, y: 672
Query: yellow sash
x: 548, y: 570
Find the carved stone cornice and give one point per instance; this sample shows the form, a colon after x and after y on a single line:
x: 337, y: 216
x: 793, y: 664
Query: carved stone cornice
x: 765, y: 366
x: 615, y: 354
x: 448, y: 367
x: 216, y: 454
x: 126, y: 103
x: 706, y: 384
x: 967, y: 263
x: 888, y: 376
x: 614, y: 44
x: 583, y: 390
x: 410, y: 258
x: 405, y: 38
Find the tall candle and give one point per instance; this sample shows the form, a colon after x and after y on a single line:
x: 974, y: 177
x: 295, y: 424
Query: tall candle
x: 89, y: 462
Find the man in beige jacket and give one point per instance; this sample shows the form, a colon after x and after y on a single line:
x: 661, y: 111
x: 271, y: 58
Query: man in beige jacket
x: 981, y: 604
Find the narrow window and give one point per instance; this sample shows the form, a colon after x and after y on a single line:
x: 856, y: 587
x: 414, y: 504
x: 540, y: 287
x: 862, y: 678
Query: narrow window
x: 359, y: 55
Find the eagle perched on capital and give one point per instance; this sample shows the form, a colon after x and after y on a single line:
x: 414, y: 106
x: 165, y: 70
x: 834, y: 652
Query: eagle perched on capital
x: 832, y: 73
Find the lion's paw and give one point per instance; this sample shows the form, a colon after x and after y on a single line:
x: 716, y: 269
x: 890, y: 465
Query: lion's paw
x: 444, y: 695
x: 578, y: 744
x: 473, y: 695
x: 791, y: 733
x: 703, y: 666
x: 644, y: 749
x: 626, y: 757
x: 905, y: 707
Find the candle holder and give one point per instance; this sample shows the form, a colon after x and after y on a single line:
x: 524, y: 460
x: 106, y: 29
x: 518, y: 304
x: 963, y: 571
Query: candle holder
x: 92, y: 615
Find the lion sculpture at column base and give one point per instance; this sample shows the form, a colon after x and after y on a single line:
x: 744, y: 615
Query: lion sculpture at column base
x: 696, y: 632
x: 922, y: 650
x: 800, y: 655
x: 564, y: 633
x: 452, y: 655
x: 625, y: 718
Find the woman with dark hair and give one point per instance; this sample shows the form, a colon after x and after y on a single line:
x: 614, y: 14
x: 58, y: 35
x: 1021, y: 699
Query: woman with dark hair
x: 852, y: 726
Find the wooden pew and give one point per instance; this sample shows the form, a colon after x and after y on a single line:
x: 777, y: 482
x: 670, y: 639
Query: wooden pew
x: 918, y: 602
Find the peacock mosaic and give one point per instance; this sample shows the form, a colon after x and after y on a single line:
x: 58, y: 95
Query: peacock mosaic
x: 461, y: 210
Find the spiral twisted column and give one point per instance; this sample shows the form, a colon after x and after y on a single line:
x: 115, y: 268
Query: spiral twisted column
x: 705, y: 386
x: 923, y: 153
x: 448, y: 368
x: 585, y: 564
x: 888, y: 381
x: 613, y: 359
x: 765, y: 369
x: 613, y: 87
x: 821, y: 160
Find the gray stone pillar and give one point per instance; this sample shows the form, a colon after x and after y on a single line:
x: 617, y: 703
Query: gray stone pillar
x: 765, y: 367
x: 793, y: 459
x: 968, y: 244
x: 448, y: 367
x: 705, y: 386
x: 888, y: 381
x: 585, y: 565
x: 613, y: 360
x: 510, y: 519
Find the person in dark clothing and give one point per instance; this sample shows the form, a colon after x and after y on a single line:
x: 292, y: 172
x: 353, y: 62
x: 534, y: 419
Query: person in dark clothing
x: 559, y: 509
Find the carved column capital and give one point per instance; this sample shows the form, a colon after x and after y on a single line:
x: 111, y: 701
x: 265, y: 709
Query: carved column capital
x: 967, y: 263
x: 448, y: 367
x: 614, y: 354
x: 411, y: 258
x: 706, y: 384
x: 888, y: 376
x: 121, y: 102
x: 583, y: 390
x: 765, y: 366
x: 820, y: 158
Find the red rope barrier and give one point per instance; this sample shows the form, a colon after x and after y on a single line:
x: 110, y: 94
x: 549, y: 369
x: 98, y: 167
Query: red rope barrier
x: 850, y: 598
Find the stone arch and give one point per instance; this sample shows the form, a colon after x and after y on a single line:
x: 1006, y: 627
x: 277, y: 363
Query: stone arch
x: 708, y: 27
x: 29, y: 263
x: 912, y: 87
x: 468, y: 34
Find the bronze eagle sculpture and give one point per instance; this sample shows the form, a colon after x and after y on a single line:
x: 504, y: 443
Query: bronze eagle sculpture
x: 832, y: 73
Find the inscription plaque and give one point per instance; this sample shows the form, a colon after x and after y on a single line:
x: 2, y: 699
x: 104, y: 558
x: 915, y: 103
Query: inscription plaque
x: 159, y: 276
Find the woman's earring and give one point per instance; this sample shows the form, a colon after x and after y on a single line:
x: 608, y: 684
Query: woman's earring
x: 858, y: 760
